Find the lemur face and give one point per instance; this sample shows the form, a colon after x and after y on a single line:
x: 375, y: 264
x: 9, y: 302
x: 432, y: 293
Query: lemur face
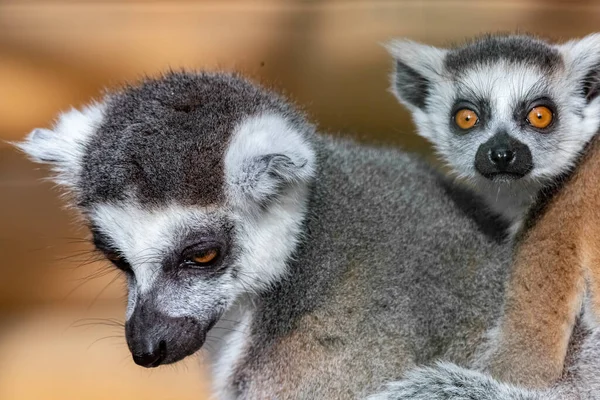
x: 503, y: 108
x: 194, y: 185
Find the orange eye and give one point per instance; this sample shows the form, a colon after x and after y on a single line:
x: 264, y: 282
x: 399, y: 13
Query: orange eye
x: 206, y: 256
x: 465, y: 118
x: 539, y: 117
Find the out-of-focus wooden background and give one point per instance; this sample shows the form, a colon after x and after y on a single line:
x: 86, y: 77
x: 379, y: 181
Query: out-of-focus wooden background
x: 326, y: 55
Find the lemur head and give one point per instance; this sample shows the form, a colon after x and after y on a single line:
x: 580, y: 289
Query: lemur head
x: 502, y: 109
x: 195, y: 186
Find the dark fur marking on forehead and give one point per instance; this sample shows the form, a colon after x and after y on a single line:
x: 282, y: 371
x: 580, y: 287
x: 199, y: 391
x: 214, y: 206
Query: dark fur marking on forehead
x: 165, y: 139
x: 494, y: 48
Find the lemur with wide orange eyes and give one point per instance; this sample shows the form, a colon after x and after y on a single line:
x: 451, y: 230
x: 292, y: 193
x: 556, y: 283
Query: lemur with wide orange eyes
x: 507, y: 114
x: 512, y: 115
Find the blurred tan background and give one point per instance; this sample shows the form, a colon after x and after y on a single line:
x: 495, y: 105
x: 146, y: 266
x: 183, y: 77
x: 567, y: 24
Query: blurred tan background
x: 59, y: 312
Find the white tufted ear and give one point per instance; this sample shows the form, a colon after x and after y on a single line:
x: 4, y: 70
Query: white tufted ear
x: 267, y: 155
x: 417, y: 66
x: 582, y: 59
x: 63, y: 146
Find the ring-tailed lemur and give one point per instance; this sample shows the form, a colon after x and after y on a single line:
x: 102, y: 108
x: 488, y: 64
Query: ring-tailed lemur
x: 508, y: 113
x: 545, y: 290
x: 324, y: 268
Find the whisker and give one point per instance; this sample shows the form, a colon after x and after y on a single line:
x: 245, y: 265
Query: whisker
x: 103, y: 290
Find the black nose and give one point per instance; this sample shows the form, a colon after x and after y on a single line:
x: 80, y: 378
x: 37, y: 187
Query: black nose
x: 153, y: 358
x: 501, y: 157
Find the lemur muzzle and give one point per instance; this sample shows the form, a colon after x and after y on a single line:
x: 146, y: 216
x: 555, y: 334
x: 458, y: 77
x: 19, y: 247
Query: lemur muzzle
x: 503, y: 157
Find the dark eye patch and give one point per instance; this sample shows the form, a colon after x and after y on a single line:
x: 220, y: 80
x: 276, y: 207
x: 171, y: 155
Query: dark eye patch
x: 480, y: 106
x: 103, y: 246
x: 119, y: 261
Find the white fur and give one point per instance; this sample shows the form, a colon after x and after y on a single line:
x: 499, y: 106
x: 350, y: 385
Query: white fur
x: 144, y: 235
x: 581, y: 55
x: 270, y: 237
x: 267, y: 134
x: 64, y: 145
x: 234, y: 339
x: 257, y: 137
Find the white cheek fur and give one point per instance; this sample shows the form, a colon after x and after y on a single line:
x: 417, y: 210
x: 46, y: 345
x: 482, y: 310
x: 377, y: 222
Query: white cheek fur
x: 268, y: 238
x: 132, y: 296
x: 142, y: 235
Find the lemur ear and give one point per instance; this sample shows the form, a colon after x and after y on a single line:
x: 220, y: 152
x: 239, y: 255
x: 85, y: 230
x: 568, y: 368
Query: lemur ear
x: 582, y: 59
x: 267, y: 176
x: 63, y: 146
x: 266, y: 157
x: 417, y: 66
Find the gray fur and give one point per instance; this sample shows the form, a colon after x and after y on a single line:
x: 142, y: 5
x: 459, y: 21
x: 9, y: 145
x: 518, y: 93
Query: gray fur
x: 403, y: 277
x: 446, y: 381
